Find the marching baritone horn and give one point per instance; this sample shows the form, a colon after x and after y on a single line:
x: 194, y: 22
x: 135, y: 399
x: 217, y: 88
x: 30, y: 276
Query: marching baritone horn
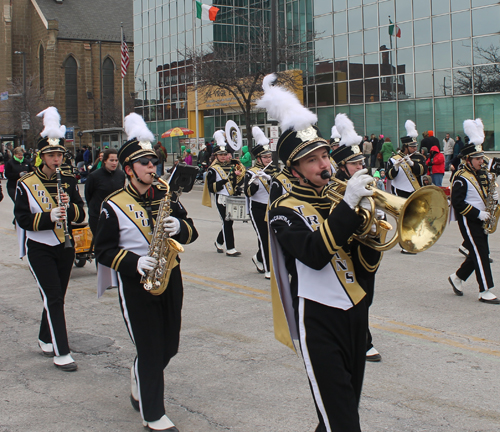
x: 421, y: 218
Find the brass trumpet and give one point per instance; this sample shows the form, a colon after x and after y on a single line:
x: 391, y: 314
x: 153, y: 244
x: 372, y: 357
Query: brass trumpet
x: 421, y: 218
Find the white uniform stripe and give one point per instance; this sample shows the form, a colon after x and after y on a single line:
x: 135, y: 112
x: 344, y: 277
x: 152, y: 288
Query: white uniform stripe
x: 261, y: 245
x: 136, y: 371
x: 480, y: 264
x: 124, y: 307
x: 45, y: 305
x: 308, y: 365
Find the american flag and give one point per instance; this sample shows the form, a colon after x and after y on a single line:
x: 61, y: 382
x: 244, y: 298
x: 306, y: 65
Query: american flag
x: 125, y: 57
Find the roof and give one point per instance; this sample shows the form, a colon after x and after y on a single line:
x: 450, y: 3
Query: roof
x: 89, y: 19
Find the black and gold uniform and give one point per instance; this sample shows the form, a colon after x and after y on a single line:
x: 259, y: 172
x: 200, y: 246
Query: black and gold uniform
x: 406, y: 177
x: 43, y: 244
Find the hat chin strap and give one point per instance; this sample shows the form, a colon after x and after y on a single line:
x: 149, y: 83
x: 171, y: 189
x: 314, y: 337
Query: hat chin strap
x: 135, y: 175
x: 307, y: 181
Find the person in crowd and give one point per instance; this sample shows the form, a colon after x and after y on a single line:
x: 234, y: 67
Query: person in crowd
x: 224, y: 178
x: 324, y: 302
x: 44, y: 214
x: 471, y: 186
x: 188, y: 160
x: 16, y: 168
x: 124, y: 233
x: 448, y: 149
x: 367, y: 151
x: 377, y: 175
x: 429, y: 141
x: 246, y: 157
x: 101, y: 183
x: 257, y: 186
x: 161, y: 154
x: 374, y: 141
x: 435, y: 164
x: 426, y: 180
x: 459, y: 145
x: 97, y: 163
x: 387, y: 151
x: 87, y: 157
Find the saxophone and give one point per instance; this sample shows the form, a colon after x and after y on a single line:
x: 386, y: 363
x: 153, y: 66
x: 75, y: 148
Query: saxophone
x: 490, y: 225
x: 163, y: 248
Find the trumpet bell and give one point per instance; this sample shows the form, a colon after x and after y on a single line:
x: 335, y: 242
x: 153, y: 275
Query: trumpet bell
x: 423, y: 219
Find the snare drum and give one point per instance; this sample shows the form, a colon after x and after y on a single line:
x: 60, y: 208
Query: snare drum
x: 236, y: 209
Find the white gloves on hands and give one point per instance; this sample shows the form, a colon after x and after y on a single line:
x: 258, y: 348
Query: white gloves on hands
x: 145, y: 263
x: 172, y: 226
x: 57, y: 214
x: 364, y: 203
x: 483, y: 216
x: 379, y: 214
x: 356, y: 188
x: 408, y: 160
x: 495, y: 196
x: 262, y: 174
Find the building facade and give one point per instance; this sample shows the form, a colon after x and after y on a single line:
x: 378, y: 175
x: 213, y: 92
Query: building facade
x: 72, y: 52
x: 381, y: 62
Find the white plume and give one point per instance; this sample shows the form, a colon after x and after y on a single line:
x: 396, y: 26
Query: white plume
x: 283, y: 105
x: 474, y: 129
x: 52, y: 123
x: 411, y: 130
x: 346, y: 129
x: 335, y: 133
x: 135, y: 127
x: 220, y: 138
x: 259, y: 136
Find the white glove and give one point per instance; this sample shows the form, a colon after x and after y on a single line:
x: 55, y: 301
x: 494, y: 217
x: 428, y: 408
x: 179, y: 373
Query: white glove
x: 379, y: 214
x: 495, y: 196
x: 356, y: 188
x: 483, y: 216
x: 408, y: 160
x: 56, y: 214
x: 262, y: 174
x: 145, y: 263
x: 364, y: 203
x: 172, y: 226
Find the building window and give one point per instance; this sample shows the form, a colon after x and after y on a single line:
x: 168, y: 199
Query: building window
x: 41, y: 68
x: 70, y: 72
x: 108, y: 90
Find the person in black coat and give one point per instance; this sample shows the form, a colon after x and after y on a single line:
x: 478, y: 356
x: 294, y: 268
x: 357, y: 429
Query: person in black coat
x: 101, y: 183
x: 15, y: 168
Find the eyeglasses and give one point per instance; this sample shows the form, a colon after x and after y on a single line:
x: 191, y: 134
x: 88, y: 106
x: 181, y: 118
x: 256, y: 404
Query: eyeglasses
x: 146, y: 160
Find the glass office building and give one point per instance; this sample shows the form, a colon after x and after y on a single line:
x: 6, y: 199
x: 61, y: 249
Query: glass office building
x: 441, y: 64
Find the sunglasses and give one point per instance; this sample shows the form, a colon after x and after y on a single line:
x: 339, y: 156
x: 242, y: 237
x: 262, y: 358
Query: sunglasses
x: 146, y: 160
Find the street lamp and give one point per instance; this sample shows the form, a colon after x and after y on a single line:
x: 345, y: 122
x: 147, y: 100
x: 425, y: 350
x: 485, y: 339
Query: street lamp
x: 144, y: 85
x: 24, y: 116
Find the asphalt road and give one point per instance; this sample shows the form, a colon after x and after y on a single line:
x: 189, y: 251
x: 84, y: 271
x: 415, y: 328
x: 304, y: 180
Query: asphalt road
x: 441, y: 353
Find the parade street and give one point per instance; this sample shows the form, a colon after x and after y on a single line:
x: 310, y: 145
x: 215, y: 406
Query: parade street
x: 440, y: 353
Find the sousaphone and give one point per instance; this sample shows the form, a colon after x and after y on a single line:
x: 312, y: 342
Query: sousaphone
x: 233, y: 135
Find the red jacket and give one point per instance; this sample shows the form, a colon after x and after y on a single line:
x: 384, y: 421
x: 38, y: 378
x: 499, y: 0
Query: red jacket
x: 435, y: 161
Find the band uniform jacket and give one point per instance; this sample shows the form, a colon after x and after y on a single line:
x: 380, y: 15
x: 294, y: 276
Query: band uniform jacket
x: 316, y: 249
x: 36, y: 196
x: 124, y: 231
x: 221, y: 180
x: 407, y: 178
x: 468, y: 193
x: 258, y: 190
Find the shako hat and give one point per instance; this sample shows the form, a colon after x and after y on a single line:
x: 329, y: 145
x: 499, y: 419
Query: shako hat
x: 348, y: 150
x: 139, y: 140
x: 335, y: 137
x: 52, y: 136
x: 474, y: 129
x: 299, y: 136
x: 220, y: 146
x: 411, y: 134
x: 261, y: 147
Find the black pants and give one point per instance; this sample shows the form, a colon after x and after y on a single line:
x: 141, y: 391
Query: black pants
x: 333, y: 344
x: 226, y: 234
x: 51, y: 266
x: 154, y: 324
x: 258, y: 216
x: 476, y: 242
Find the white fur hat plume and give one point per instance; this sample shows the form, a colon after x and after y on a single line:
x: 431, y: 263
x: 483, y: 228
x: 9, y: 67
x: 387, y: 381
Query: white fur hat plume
x: 52, y: 123
x: 135, y: 127
x: 474, y: 129
x: 411, y: 129
x: 335, y: 133
x: 259, y: 136
x: 348, y: 134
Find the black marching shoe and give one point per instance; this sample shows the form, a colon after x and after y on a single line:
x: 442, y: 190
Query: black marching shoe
x: 372, y: 355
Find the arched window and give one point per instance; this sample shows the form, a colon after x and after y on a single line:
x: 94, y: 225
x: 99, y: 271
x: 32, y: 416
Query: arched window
x: 108, y: 90
x: 70, y: 72
x: 41, y: 58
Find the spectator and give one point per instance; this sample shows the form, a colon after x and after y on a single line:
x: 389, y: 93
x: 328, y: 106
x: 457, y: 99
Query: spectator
x: 374, y: 141
x: 379, y: 177
x: 189, y: 157
x: 387, y: 151
x: 429, y: 141
x: 246, y: 157
x: 426, y: 180
x: 435, y: 162
x: 87, y: 157
x: 15, y: 168
x: 459, y: 145
x: 161, y: 154
x: 367, y: 152
x: 98, y: 163
x: 448, y: 144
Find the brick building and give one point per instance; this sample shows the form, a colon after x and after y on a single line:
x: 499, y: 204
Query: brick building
x: 72, y: 51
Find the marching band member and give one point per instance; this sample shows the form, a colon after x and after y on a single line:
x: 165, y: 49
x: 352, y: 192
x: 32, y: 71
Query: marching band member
x: 257, y: 185
x: 224, y: 178
x: 406, y: 170
x: 47, y: 223
x: 349, y: 160
x: 124, y: 233
x: 317, y: 266
x: 469, y: 193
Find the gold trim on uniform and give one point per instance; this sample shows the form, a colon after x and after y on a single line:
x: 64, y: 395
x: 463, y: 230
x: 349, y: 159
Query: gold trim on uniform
x: 118, y: 259
x: 190, y: 231
x: 368, y: 267
x: 466, y: 210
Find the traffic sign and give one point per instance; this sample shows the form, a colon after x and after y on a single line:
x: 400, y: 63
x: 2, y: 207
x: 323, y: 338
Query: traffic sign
x: 70, y: 134
x: 4, y: 95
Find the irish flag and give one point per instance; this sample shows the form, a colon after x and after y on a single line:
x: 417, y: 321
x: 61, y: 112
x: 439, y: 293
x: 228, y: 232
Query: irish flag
x: 205, y: 12
x: 394, y: 30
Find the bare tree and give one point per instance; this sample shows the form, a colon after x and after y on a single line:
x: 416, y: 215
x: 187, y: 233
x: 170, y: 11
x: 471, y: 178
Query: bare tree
x: 236, y: 68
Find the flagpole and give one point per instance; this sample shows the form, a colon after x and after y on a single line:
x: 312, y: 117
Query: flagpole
x: 195, y: 79
x: 123, y: 80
